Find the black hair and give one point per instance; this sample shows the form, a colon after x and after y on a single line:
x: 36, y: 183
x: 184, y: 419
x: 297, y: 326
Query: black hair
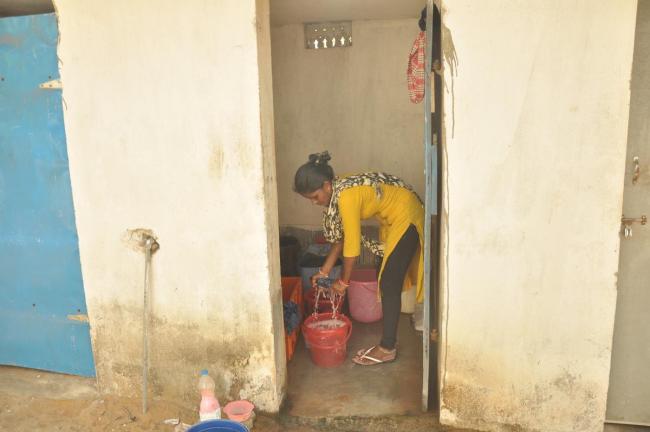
x: 311, y: 176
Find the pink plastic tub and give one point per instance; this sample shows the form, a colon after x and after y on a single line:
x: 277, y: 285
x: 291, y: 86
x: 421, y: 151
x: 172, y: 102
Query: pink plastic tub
x: 239, y: 411
x: 365, y: 304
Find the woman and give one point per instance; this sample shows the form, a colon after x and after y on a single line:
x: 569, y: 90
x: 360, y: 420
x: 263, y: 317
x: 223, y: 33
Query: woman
x: 348, y: 200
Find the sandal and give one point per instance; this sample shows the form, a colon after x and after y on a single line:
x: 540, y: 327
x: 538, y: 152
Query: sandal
x: 362, y: 358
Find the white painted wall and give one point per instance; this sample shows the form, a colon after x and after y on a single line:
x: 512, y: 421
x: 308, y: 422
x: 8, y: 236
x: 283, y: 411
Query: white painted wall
x: 536, y: 122
x: 299, y: 11
x: 169, y: 127
x: 352, y: 101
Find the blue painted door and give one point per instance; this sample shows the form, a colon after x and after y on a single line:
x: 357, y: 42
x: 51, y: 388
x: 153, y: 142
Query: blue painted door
x: 43, y: 321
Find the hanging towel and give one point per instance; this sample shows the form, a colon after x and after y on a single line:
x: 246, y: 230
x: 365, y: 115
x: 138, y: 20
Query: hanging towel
x: 415, y: 69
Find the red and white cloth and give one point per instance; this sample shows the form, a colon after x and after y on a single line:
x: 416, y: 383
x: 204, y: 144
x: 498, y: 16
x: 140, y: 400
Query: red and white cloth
x: 415, y: 69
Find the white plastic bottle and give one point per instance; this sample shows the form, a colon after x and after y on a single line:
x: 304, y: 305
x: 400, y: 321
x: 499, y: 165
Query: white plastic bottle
x: 209, y: 408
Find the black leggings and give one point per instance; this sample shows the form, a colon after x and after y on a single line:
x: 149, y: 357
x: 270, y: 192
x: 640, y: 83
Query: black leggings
x: 392, y: 280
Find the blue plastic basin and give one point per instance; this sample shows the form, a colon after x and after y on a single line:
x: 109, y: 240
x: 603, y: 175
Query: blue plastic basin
x: 218, y: 426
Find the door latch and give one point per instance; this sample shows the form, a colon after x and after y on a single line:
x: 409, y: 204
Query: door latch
x: 627, y: 224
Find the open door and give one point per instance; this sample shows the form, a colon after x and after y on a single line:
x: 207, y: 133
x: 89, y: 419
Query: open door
x: 629, y: 383
x: 43, y: 321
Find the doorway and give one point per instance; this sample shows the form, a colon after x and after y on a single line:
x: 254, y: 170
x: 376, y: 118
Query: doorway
x: 629, y: 387
x: 353, y: 101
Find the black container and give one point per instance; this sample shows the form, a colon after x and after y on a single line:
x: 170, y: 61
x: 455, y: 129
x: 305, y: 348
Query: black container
x: 289, y: 253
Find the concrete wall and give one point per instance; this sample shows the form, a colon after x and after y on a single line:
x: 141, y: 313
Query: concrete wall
x: 536, y: 122
x: 169, y: 128
x: 352, y: 101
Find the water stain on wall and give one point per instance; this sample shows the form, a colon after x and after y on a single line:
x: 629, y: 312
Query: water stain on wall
x: 177, y: 352
x: 549, y: 405
x: 216, y: 162
x: 246, y: 158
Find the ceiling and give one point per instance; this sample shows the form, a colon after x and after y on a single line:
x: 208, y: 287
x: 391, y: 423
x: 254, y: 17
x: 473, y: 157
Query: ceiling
x: 25, y: 7
x: 301, y: 11
x: 282, y: 11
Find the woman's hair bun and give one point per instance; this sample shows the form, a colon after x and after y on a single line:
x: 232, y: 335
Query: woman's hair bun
x: 320, y: 158
x: 312, y: 175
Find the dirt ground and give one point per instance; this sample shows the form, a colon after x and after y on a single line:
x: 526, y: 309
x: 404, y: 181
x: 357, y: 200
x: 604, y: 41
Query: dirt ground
x: 22, y: 414
x: 40, y: 401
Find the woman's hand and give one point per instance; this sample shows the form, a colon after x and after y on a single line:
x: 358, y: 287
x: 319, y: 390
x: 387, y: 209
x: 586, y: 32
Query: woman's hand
x: 339, y: 286
x: 317, y: 276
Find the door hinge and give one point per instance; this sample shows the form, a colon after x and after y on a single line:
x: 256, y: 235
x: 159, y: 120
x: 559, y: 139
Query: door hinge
x: 78, y: 317
x: 52, y: 84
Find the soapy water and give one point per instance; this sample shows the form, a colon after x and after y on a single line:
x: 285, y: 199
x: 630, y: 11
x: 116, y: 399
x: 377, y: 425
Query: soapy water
x: 326, y: 324
x: 325, y: 291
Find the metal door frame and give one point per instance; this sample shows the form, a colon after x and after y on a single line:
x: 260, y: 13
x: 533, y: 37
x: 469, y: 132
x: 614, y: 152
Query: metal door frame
x: 432, y: 126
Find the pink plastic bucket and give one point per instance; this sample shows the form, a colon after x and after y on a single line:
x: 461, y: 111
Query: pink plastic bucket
x: 239, y: 411
x: 365, y: 304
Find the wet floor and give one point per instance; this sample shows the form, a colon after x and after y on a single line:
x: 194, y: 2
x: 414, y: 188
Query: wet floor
x: 352, y: 390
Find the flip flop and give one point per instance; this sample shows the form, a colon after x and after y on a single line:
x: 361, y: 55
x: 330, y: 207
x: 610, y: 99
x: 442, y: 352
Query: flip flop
x: 365, y: 351
x: 362, y: 358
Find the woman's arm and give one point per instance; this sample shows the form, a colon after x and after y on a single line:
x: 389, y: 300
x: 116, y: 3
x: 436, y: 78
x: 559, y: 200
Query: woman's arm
x: 341, y: 284
x: 350, y: 209
x: 348, y: 266
x: 330, y: 261
x: 332, y: 256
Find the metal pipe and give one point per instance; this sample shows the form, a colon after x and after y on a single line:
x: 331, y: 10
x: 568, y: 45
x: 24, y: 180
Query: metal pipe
x: 150, y: 246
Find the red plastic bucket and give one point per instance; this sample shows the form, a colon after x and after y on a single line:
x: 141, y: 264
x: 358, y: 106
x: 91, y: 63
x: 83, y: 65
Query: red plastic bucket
x: 327, y: 346
x: 324, y: 304
x: 365, y: 303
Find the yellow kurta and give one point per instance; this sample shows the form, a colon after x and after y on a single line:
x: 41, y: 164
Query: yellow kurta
x: 396, y: 210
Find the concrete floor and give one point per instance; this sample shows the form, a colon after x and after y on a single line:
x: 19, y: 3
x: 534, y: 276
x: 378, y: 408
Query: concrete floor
x: 359, y: 391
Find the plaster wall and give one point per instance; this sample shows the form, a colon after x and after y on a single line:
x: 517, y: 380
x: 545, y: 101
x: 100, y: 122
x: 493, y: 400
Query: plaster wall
x: 351, y: 101
x: 536, y: 111
x: 169, y: 128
